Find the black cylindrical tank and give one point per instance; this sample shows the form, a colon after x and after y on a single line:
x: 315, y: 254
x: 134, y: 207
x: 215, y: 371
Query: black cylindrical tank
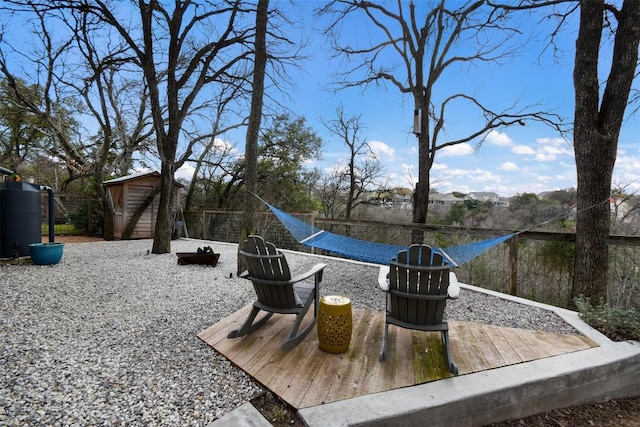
x: 20, y: 218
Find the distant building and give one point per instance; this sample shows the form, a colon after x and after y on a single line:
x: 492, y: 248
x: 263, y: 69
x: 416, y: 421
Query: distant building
x: 483, y: 196
x: 621, y: 208
x: 448, y: 199
x: 442, y: 203
x: 503, y: 201
x: 397, y: 198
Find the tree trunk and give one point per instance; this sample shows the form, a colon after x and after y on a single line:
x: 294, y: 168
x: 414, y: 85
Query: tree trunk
x: 164, y: 220
x: 596, y: 132
x: 107, y: 218
x: 253, y: 128
x: 137, y: 214
x: 421, y: 192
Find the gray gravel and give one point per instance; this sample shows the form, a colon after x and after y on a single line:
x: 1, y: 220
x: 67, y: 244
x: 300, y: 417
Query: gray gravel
x: 108, y: 336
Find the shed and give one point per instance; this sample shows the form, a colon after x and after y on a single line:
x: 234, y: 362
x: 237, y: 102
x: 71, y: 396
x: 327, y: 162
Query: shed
x: 129, y: 192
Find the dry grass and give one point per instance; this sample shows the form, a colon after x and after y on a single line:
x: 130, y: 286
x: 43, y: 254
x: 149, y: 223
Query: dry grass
x: 615, y: 413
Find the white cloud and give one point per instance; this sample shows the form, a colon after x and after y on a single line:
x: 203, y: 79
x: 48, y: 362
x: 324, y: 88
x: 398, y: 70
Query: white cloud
x: 438, y: 166
x: 382, y: 151
x: 222, y: 147
x: 568, y: 165
x: 473, y: 175
x: 545, y: 157
x: 553, y: 141
x: 627, y: 173
x: 463, y: 149
x: 523, y: 149
x: 549, y: 153
x: 402, y: 176
x: 628, y: 164
x: 500, y: 139
x: 508, y: 166
x: 185, y: 172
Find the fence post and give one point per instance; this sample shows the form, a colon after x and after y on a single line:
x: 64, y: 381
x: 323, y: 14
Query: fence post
x: 513, y: 265
x: 90, y: 216
x: 205, y: 231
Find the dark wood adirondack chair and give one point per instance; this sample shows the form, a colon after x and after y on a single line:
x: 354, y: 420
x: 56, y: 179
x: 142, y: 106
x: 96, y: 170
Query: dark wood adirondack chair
x: 277, y: 291
x: 418, y: 285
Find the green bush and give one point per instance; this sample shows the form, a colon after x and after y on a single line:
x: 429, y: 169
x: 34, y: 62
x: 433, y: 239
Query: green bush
x: 557, y: 255
x: 79, y: 217
x: 61, y: 230
x: 615, y: 323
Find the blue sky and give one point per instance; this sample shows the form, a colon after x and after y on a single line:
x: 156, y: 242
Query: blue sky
x: 515, y: 160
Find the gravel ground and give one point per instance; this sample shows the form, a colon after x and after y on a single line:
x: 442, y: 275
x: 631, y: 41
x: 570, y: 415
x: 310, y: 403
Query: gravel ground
x: 108, y: 336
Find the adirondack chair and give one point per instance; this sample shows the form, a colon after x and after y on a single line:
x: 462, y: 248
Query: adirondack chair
x: 417, y: 286
x: 277, y: 291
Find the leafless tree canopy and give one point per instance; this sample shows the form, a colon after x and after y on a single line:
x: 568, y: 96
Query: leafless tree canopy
x: 412, y: 47
x: 362, y: 172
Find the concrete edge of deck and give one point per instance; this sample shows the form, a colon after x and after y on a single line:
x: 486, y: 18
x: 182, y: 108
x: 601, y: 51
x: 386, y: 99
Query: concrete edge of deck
x: 588, y: 376
x: 609, y: 371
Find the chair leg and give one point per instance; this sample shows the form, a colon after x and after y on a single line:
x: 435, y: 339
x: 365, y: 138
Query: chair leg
x: 248, y: 326
x: 294, y: 337
x: 447, y: 352
x: 383, y: 349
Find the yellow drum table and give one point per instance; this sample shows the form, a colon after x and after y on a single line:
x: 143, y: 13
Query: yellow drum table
x: 334, y: 324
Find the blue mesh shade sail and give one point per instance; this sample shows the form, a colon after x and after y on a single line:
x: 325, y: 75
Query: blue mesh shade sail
x: 376, y: 253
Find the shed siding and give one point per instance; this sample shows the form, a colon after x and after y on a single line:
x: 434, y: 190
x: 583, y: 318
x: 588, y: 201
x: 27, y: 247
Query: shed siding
x: 127, y: 196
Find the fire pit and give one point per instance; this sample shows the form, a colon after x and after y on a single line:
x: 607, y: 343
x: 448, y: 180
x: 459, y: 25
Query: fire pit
x: 203, y: 256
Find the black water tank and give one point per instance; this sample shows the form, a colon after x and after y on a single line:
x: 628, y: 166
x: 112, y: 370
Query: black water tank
x: 20, y: 218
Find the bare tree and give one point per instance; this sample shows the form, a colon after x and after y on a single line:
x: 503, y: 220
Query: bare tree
x: 119, y: 106
x: 100, y: 85
x: 255, y: 118
x: 423, y: 50
x: 363, y: 171
x: 253, y: 129
x: 179, y: 51
x: 54, y: 107
x: 598, y: 119
x: 330, y: 190
x: 212, y: 172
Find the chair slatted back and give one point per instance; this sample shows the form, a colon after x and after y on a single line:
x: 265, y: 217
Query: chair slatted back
x: 418, y: 283
x: 269, y: 273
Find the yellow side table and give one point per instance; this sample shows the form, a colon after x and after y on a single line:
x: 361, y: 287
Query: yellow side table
x: 334, y: 324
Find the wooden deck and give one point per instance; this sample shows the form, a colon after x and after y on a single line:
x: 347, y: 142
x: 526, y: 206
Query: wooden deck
x: 307, y: 376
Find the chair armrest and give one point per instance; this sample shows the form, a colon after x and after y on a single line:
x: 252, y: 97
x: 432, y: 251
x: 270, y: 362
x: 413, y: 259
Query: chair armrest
x: 383, y: 278
x: 315, y: 270
x: 454, y: 286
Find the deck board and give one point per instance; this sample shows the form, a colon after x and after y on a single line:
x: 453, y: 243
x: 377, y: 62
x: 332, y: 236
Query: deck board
x: 307, y: 376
